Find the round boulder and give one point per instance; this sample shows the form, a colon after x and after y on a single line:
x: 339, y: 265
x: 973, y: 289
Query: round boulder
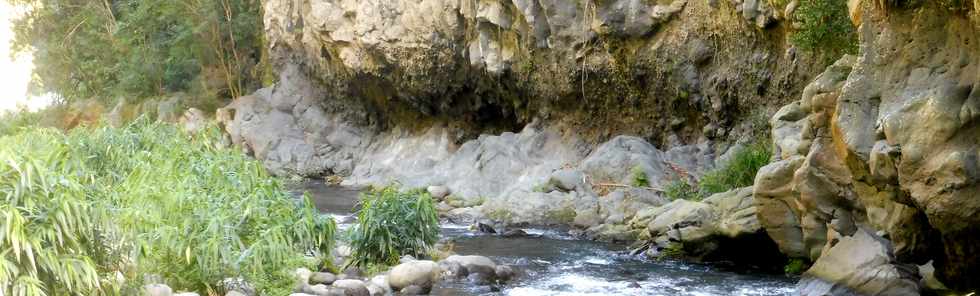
x: 352, y: 287
x: 422, y: 273
x: 475, y: 264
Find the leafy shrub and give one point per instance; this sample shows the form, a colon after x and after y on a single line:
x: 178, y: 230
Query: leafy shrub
x: 825, y: 26
x: 392, y: 224
x: 640, y: 178
x: 738, y: 172
x: 145, y: 199
x: 680, y: 189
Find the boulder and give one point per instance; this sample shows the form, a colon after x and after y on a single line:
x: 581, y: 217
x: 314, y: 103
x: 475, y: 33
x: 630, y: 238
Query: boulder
x: 862, y: 264
x: 438, y: 192
x: 193, y: 120
x: 157, y: 290
x: 474, y: 264
x: 325, y: 278
x: 420, y: 273
x: 352, y: 287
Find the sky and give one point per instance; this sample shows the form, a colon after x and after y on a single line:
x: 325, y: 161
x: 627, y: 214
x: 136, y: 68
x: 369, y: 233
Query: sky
x: 14, y: 73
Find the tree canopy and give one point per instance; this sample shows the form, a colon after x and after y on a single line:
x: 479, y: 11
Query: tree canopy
x: 109, y: 49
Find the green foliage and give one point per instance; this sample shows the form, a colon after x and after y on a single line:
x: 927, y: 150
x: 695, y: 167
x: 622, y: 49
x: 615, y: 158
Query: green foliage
x: 639, y: 178
x: 392, y: 224
x: 145, y: 199
x: 133, y: 48
x: 795, y: 266
x: 680, y: 189
x: 825, y: 27
x: 12, y: 122
x: 738, y: 172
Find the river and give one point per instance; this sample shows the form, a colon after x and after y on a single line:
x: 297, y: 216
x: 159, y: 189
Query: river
x: 551, y: 262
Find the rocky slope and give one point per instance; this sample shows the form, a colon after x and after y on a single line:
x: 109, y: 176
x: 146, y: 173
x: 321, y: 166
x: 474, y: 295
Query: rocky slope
x: 878, y: 162
x: 514, y: 110
x: 670, y: 71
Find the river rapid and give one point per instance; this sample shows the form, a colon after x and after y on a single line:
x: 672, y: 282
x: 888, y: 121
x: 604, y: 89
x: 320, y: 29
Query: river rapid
x: 552, y: 262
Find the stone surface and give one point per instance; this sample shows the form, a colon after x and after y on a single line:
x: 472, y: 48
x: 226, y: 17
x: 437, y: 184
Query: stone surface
x: 157, y: 290
x: 889, y: 146
x: 322, y: 278
x: 421, y: 273
x: 352, y: 287
x: 862, y: 264
x: 474, y: 264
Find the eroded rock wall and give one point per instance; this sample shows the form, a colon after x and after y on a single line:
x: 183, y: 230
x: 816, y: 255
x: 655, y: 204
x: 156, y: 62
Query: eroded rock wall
x: 887, y: 140
x: 670, y: 71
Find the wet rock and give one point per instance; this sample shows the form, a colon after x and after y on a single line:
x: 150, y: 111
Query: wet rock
x: 862, y: 264
x: 352, y: 287
x: 418, y: 273
x: 485, y: 228
x: 412, y: 290
x: 504, y: 273
x: 510, y: 233
x: 474, y: 264
x: 453, y: 269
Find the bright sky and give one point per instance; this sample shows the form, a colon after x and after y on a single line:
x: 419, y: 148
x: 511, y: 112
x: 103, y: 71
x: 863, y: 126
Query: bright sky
x: 14, y: 74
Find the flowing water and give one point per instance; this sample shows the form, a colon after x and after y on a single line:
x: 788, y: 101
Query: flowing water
x: 554, y: 263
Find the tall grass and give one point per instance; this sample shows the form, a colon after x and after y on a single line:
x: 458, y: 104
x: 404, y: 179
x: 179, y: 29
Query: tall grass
x: 392, y: 224
x: 85, y: 208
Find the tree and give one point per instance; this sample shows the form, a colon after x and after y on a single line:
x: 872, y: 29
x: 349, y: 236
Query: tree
x: 106, y: 49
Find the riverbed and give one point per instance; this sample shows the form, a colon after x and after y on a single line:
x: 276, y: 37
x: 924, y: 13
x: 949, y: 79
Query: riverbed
x: 552, y: 262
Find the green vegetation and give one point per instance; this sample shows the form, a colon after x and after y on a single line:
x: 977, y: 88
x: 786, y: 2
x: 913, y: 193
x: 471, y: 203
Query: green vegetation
x: 825, y: 27
x: 564, y: 215
x: 392, y: 224
x: 737, y: 172
x: 681, y: 189
x: 85, y: 209
x: 639, y: 178
x: 138, y: 49
x: 795, y: 266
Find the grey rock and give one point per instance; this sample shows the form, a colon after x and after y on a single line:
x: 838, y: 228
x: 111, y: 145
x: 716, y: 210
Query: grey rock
x: 862, y: 264
x: 352, y: 287
x: 412, y: 290
x: 504, y: 273
x: 438, y: 192
x: 322, y: 278
x: 474, y: 264
x: 415, y: 273
x: 157, y: 290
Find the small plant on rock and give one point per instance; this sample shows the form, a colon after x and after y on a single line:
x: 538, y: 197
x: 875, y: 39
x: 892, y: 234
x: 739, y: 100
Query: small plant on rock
x: 640, y: 178
x: 680, y: 189
x: 392, y: 224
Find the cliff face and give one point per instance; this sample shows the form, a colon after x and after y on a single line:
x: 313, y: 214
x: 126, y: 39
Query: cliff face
x: 887, y: 141
x: 667, y: 70
x: 504, y: 102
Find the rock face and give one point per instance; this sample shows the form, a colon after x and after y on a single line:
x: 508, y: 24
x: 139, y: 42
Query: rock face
x: 722, y: 227
x: 862, y: 264
x: 886, y: 140
x: 628, y: 66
